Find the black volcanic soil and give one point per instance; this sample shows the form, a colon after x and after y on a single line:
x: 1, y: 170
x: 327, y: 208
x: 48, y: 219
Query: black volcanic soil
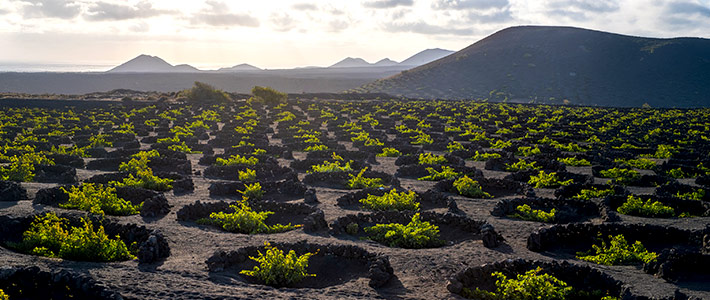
x: 418, y: 273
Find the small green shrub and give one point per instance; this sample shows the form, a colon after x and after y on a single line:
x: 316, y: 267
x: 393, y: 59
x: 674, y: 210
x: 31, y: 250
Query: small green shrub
x: 279, y: 269
x: 617, y: 252
x: 98, y: 199
x: 182, y: 147
x: 389, y: 152
x: 416, y: 234
x: 352, y: 228
x: 203, y: 92
x: 640, y: 163
x: 269, y: 96
x: 431, y: 159
x: 252, y: 191
x: 392, y: 201
x: 587, y: 194
x: 453, y: 146
x: 329, y: 167
x: 546, y: 180
x: 145, y: 179
x: 361, y: 182
x: 422, y: 139
x: 469, y: 187
x: 525, y: 212
x: 4, y: 296
x: 247, y: 175
x: 313, y: 148
x: 237, y: 160
x: 574, y: 161
x: 529, y: 286
x: 51, y: 236
x: 18, y: 170
x: 637, y: 207
x: 500, y: 144
x: 485, y: 156
x: 528, y: 151
x: 434, y: 175
x: 678, y: 173
x: 697, y: 195
x: 245, y: 220
x: 620, y: 175
x: 521, y: 165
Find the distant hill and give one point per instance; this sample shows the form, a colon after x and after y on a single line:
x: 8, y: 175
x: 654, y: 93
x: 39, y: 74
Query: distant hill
x: 553, y: 64
x: 351, y: 62
x: 151, y: 64
x: 385, y: 62
x: 240, y: 68
x: 426, y: 57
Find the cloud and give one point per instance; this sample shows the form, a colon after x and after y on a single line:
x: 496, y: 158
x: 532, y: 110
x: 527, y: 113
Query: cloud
x: 469, y: 4
x: 688, y: 8
x: 425, y: 28
x: 388, y: 3
x: 101, y: 11
x: 282, y: 21
x: 4, y: 11
x: 218, y: 14
x: 581, y: 10
x: 498, y: 16
x: 337, y: 25
x: 51, y: 9
x: 304, y: 6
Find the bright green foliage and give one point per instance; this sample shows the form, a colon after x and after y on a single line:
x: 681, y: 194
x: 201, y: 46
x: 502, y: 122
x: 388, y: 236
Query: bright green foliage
x: 97, y: 199
x: 620, y: 175
x: 252, y: 191
x: 237, y: 160
x: 389, y: 152
x: 431, y: 159
x: 279, y: 269
x: 312, y: 148
x: 416, y: 234
x: 51, y: 236
x: 434, y: 175
x: 17, y: 170
x: 546, y: 180
x: 528, y: 286
x: 521, y: 165
x: 99, y: 140
x: 528, y: 151
x: 574, y: 161
x: 469, y: 187
x: 525, y: 212
x: 639, y: 163
x: 665, y: 151
x: 328, y: 167
x: 422, y: 139
x: 484, y: 156
x: 245, y: 220
x: 697, y: 195
x: 618, y: 252
x: 637, y: 207
x: 259, y: 151
x: 247, y: 175
x: 500, y: 144
x: 392, y: 201
x: 4, y: 296
x: 677, y: 173
x: 587, y: 194
x: 361, y: 182
x: 77, y: 151
x: 453, y: 146
x: 145, y: 179
x: 182, y: 147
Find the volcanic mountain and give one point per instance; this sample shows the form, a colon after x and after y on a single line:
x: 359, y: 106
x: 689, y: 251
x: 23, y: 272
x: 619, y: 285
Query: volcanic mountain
x: 151, y: 64
x: 564, y: 65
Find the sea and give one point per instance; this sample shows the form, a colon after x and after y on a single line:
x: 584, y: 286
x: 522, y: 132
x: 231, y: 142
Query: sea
x: 52, y: 68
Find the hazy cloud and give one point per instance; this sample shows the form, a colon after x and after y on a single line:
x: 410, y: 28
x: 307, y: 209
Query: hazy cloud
x: 425, y: 28
x: 498, y: 16
x: 688, y: 8
x: 4, y: 11
x: 218, y: 14
x: 304, y: 6
x: 388, y: 3
x: 337, y: 25
x: 101, y: 11
x: 51, y: 9
x: 282, y: 21
x: 469, y: 4
x: 580, y: 10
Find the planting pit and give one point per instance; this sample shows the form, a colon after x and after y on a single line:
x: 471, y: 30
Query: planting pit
x: 34, y: 283
x: 578, y: 277
x: 286, y: 190
x: 339, y: 180
x: 151, y: 245
x: 493, y: 186
x: 332, y: 264
x: 427, y: 200
x: 566, y: 211
x: 154, y: 203
x: 311, y: 218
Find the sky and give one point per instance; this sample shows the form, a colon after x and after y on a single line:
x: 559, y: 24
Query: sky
x: 282, y: 34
